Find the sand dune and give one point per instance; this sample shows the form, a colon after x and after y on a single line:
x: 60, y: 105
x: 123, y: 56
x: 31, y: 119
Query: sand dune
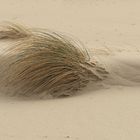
x: 110, y: 30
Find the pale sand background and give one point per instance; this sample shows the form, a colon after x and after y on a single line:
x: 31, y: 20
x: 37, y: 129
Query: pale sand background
x: 106, y: 114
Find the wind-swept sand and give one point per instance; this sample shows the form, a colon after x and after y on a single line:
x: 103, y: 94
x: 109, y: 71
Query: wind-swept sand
x: 110, y: 31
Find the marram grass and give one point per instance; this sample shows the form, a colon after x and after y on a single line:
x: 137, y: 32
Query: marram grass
x: 41, y: 62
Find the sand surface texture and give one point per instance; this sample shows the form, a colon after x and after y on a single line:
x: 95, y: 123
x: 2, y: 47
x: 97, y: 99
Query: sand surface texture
x: 110, y: 30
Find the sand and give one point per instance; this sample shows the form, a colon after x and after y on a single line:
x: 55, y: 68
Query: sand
x: 110, y: 31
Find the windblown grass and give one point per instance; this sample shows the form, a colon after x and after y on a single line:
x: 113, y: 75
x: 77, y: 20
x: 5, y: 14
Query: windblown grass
x: 44, y: 62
